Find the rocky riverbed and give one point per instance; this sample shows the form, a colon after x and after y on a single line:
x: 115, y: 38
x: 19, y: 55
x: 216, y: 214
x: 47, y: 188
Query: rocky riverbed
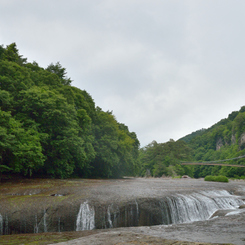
x: 53, y: 206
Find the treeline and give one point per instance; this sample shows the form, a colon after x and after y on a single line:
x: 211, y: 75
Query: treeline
x: 163, y: 159
x: 50, y: 128
x: 224, y: 140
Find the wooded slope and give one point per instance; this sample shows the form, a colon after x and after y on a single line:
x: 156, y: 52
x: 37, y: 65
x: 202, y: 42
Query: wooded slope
x: 50, y: 128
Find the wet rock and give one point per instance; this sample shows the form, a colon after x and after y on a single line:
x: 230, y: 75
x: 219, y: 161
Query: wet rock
x: 186, y: 177
x: 220, y: 213
x: 127, y: 202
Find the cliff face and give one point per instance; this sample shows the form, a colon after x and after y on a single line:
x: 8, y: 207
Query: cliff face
x: 219, y: 144
x: 242, y: 140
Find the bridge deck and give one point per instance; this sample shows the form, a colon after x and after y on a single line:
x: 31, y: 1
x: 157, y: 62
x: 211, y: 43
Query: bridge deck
x: 212, y: 164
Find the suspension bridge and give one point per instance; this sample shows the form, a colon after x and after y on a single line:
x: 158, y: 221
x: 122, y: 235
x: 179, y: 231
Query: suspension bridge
x: 217, y: 163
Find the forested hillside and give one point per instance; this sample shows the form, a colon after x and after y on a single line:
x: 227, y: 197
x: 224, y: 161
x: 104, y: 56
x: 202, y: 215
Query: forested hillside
x: 224, y: 140
x: 50, y: 128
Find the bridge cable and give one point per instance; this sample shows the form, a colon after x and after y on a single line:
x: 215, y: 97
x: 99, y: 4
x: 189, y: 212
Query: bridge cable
x: 224, y: 160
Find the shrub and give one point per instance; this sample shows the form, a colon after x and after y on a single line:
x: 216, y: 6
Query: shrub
x: 209, y: 178
x: 221, y: 179
x: 177, y: 177
x: 216, y: 178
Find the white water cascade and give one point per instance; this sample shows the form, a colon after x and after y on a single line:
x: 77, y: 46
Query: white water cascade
x: 36, y: 228
x: 1, y: 225
x: 137, y: 210
x: 170, y: 208
x: 200, y: 206
x: 45, y: 229
x: 109, y: 217
x: 85, y: 217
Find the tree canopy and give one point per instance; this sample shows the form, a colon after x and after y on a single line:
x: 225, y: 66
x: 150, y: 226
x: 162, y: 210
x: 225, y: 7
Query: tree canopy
x: 50, y: 128
x: 163, y: 159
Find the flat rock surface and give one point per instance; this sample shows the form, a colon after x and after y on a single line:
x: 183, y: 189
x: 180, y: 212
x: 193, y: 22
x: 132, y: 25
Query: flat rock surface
x: 126, y: 238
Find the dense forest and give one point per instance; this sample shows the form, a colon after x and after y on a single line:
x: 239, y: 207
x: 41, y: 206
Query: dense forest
x: 224, y: 140
x: 50, y: 128
x: 163, y: 159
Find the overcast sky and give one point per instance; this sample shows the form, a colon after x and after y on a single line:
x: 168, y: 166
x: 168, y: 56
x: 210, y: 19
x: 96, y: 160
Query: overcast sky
x: 165, y: 68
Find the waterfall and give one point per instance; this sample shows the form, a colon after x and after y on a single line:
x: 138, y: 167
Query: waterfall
x: 171, y: 209
x: 200, y: 206
x: 36, y: 225
x: 137, y: 210
x: 1, y: 225
x: 109, y: 217
x: 6, y: 225
x: 59, y: 224
x: 167, y: 209
x: 45, y: 229
x: 85, y: 217
x: 165, y: 212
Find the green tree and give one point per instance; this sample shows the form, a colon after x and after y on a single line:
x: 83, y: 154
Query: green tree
x: 11, y: 53
x: 116, y: 148
x: 164, y: 158
x: 20, y: 149
x: 49, y: 128
x: 58, y: 120
x: 60, y: 72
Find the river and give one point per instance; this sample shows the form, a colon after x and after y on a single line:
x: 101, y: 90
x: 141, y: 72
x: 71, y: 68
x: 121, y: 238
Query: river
x: 155, y: 208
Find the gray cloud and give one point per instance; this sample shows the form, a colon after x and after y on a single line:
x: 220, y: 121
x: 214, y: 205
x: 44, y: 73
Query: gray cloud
x: 165, y: 68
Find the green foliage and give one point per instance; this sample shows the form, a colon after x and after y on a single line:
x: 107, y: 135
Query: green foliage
x: 216, y: 178
x: 224, y: 140
x: 11, y: 53
x: 209, y: 178
x: 60, y: 72
x: 189, y: 137
x: 221, y: 141
x: 48, y: 128
x: 20, y: 149
x: 164, y: 159
x: 116, y: 148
